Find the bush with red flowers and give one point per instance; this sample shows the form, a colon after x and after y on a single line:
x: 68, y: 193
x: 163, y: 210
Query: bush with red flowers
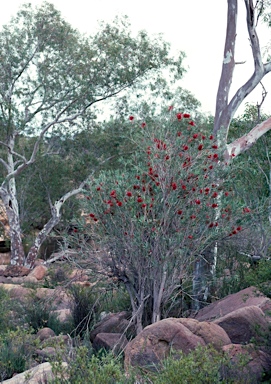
x: 155, y: 218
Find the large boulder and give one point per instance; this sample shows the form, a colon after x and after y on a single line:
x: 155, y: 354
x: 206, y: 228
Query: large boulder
x: 245, y: 298
x: 157, y: 340
x: 112, y: 323
x: 39, y: 272
x: 211, y: 333
x: 244, y: 324
x: 256, y: 361
x: 41, y: 374
x: 115, y: 342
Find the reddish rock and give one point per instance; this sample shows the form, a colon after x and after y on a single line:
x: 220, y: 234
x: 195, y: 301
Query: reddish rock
x: 45, y: 354
x: 45, y: 333
x: 5, y: 258
x: 256, y: 361
x: 245, y: 298
x: 58, y: 297
x: 211, y: 333
x: 112, y: 323
x: 15, y: 271
x: 39, y: 272
x: 243, y: 324
x: 115, y: 342
x: 156, y: 341
x: 16, y: 291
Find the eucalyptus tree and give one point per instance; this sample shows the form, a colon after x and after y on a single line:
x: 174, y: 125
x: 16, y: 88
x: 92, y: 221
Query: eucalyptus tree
x: 50, y: 77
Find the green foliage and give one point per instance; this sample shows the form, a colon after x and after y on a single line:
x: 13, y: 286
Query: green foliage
x: 85, y: 308
x: 15, y: 352
x: 5, y: 307
x: 201, y: 366
x: 259, y: 276
x: 104, y: 370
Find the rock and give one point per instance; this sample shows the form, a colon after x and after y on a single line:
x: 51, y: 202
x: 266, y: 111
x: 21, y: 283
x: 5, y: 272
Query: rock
x: 243, y: 324
x: 41, y: 374
x: 211, y: 333
x: 78, y: 275
x: 15, y: 271
x: 115, y: 342
x: 58, y: 297
x: 5, y: 258
x: 245, y: 298
x: 157, y: 340
x: 62, y: 314
x: 257, y: 363
x: 16, y: 291
x: 45, y: 333
x: 112, y: 323
x: 39, y: 272
x: 46, y: 354
x: 30, y: 279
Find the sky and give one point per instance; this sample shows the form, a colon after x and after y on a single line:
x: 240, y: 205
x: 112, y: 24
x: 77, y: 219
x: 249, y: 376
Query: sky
x: 196, y: 27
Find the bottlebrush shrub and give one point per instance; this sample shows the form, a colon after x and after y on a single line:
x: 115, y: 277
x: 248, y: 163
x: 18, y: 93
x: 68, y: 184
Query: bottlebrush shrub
x: 157, y: 217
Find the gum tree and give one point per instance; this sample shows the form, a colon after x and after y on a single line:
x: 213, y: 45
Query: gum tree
x: 51, y: 76
x: 225, y: 108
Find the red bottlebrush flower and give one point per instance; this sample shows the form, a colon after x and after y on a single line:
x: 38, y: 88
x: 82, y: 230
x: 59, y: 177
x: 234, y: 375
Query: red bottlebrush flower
x: 109, y: 202
x: 203, y: 137
x: 113, y: 193
x: 144, y: 189
x: 216, y: 224
x: 211, y: 225
x: 211, y: 167
x: 214, y: 195
x: 192, y: 217
x: 211, y: 137
x: 139, y: 200
x: 131, y: 118
x: 75, y: 230
x: 92, y: 215
x: 167, y: 157
x: 214, y: 146
x: 95, y: 219
x: 185, y: 147
x: 184, y: 187
x: 136, y: 187
x: 179, y: 212
x: 129, y: 194
x: 190, y: 237
x: 200, y: 147
x: 232, y: 155
x: 214, y: 205
x: 186, y: 115
x: 234, y: 232
x: 143, y: 125
x: 226, y: 193
x: 193, y: 189
x: 179, y: 116
x: 191, y: 123
x: 200, y: 191
x: 119, y: 203
x: 144, y: 205
x: 88, y: 197
x: 137, y: 177
x: 239, y: 229
x: 215, y: 156
x: 174, y: 186
x: 179, y: 134
x: 246, y: 210
x: 197, y: 202
x: 207, y: 190
x: 195, y: 135
x: 157, y: 183
x: 170, y: 107
x: 98, y: 188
